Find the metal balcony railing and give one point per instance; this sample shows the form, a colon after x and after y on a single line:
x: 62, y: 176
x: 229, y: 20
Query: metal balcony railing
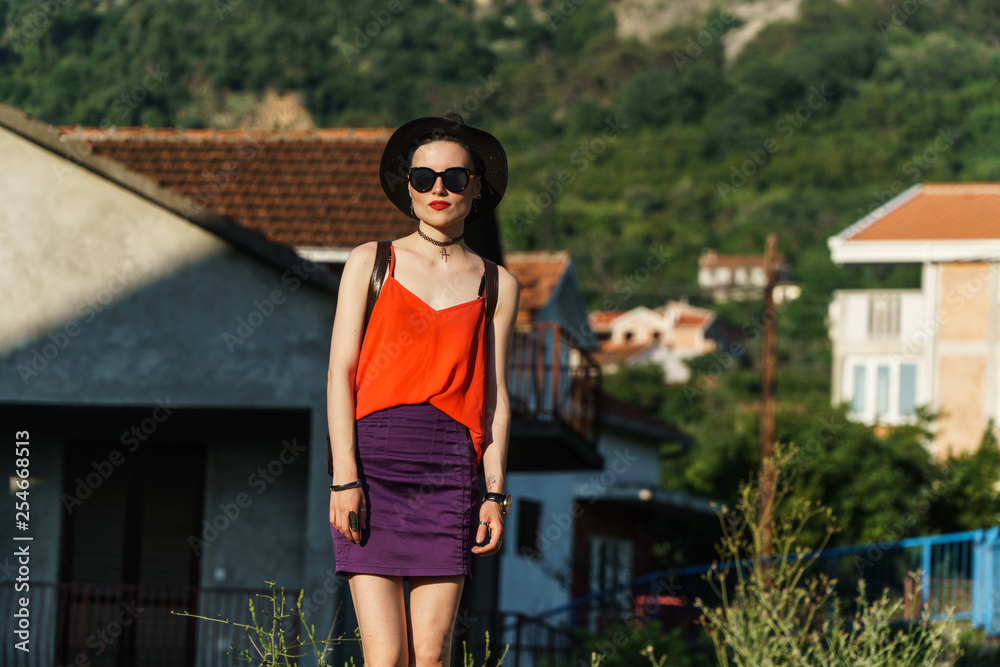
x: 551, y: 378
x: 121, y: 625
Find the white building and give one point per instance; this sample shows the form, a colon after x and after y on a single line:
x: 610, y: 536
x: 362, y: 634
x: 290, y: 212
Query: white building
x: 937, y: 345
x: 741, y: 277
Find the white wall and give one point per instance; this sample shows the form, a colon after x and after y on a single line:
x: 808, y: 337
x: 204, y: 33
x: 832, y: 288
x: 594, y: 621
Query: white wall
x: 532, y: 586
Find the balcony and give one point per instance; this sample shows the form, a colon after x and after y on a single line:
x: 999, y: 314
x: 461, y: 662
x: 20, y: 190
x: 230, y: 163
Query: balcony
x: 879, y: 320
x: 554, y: 388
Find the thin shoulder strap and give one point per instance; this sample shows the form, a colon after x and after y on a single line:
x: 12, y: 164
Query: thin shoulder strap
x: 379, y: 271
x: 492, y: 288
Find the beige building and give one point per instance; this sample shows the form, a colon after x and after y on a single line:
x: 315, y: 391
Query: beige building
x: 936, y: 346
x: 665, y: 336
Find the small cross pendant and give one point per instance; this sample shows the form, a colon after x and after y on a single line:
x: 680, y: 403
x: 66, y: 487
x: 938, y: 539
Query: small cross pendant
x: 444, y: 254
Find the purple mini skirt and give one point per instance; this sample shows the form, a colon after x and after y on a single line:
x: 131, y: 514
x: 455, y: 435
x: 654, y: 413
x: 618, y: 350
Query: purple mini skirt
x: 417, y: 468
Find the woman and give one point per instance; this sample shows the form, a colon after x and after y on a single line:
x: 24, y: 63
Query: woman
x: 417, y: 399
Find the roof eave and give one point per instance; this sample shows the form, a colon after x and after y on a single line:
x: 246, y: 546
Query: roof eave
x: 656, y: 495
x: 879, y: 213
x: 912, y: 252
x: 652, y: 432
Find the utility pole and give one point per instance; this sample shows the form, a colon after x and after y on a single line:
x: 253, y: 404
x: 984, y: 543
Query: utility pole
x: 769, y: 353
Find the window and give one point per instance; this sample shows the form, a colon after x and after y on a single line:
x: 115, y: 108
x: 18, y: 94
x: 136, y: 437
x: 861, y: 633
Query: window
x: 890, y: 396
x: 529, y: 514
x: 907, y: 390
x: 858, y: 401
x: 882, y: 391
x: 611, y: 567
x: 883, y: 316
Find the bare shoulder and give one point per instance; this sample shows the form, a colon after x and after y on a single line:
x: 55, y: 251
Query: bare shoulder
x: 357, y: 271
x: 509, y: 292
x: 362, y: 258
x: 508, y: 283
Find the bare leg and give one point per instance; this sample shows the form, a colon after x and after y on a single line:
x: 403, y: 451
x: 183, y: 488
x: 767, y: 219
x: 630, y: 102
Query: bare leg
x: 431, y: 618
x: 378, y: 602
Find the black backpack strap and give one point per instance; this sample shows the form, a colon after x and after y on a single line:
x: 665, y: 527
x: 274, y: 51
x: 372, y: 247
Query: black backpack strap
x: 492, y: 288
x: 379, y: 271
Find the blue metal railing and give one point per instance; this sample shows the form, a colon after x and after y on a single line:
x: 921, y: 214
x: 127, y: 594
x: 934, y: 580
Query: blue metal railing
x: 959, y: 574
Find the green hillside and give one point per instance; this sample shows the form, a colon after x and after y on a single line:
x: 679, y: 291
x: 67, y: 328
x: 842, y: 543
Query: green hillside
x: 618, y: 148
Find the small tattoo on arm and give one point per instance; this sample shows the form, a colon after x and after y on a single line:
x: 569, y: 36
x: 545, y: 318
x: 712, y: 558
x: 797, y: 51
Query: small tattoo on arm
x: 491, y: 481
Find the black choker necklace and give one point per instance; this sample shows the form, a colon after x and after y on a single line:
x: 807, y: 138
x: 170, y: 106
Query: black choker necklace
x: 441, y: 244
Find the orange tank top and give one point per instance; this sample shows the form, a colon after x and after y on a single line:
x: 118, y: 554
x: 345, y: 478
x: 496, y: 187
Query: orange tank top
x: 413, y: 354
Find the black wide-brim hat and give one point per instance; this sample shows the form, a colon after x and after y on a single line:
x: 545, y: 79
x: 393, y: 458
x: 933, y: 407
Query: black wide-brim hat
x: 492, y: 160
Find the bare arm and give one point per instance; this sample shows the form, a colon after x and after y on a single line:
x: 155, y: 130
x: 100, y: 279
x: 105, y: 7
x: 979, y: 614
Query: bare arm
x: 499, y: 336
x: 345, y: 347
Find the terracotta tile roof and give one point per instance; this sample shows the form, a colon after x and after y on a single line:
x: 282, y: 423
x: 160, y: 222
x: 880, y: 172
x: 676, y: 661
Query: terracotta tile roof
x: 602, y: 319
x: 538, y: 274
x: 710, y: 259
x: 298, y: 188
x: 692, y: 320
x: 936, y: 211
x: 615, y: 353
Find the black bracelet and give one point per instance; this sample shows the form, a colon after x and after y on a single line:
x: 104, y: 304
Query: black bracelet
x: 356, y: 484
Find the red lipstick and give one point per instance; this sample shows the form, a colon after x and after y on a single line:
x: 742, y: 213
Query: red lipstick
x: 439, y: 205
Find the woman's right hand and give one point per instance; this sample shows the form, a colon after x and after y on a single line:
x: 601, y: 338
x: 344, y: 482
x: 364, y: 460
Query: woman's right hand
x: 342, y: 503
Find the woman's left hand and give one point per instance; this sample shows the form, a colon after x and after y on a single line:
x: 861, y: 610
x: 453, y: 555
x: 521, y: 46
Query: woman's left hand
x: 491, y: 527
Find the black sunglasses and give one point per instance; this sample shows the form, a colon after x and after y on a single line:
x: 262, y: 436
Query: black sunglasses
x: 455, y: 179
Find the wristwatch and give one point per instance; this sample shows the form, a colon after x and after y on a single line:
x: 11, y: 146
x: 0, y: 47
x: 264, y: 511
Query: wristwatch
x: 500, y: 498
